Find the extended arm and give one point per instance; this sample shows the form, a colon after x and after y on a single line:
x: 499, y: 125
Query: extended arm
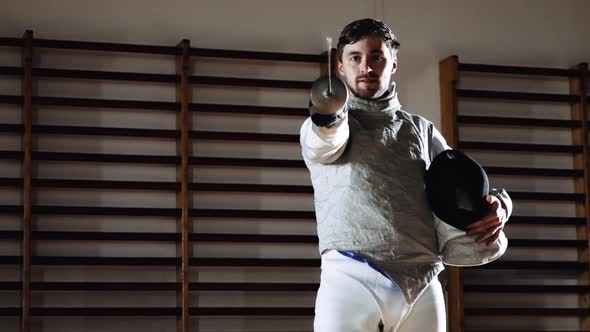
x: 324, y: 141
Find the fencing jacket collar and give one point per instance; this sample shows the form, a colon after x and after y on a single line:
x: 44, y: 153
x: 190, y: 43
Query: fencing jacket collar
x: 388, y: 102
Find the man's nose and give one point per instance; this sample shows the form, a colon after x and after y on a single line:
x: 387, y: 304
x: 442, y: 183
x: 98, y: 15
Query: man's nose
x: 366, y: 67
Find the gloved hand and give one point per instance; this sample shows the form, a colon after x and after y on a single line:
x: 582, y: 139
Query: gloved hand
x: 327, y: 101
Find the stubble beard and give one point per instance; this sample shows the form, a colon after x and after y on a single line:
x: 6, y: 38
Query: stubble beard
x: 368, y: 93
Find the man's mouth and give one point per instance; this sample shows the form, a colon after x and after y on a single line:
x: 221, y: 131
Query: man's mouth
x: 366, y: 79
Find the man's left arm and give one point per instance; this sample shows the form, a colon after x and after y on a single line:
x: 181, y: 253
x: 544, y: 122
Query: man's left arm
x: 487, y: 229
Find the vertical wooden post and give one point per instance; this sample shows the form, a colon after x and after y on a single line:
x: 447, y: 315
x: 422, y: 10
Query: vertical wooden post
x: 27, y: 116
x: 448, y: 77
x: 182, y: 177
x: 580, y: 137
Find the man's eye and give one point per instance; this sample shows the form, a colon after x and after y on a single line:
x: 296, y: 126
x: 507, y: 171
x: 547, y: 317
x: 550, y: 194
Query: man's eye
x: 355, y: 58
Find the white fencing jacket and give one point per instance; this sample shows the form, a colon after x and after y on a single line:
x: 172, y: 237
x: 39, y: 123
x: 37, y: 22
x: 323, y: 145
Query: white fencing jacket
x: 367, y: 172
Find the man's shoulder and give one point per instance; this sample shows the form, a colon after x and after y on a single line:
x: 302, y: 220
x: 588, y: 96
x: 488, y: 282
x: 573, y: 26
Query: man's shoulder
x: 416, y: 119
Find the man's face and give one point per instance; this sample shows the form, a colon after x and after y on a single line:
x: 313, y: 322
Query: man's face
x: 366, y: 67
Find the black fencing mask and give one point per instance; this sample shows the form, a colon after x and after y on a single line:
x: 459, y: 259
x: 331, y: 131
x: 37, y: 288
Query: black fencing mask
x: 457, y: 186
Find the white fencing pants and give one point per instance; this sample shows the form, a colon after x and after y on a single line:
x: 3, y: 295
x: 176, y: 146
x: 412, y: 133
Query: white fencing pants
x: 354, y: 297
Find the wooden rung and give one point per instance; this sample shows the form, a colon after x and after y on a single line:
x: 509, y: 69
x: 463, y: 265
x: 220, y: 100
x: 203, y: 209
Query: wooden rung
x: 163, y: 286
x: 548, y: 243
x: 103, y: 131
x: 99, y: 311
x: 17, y: 42
x: 533, y: 265
x: 92, y: 74
x: 158, y: 185
x: 109, y: 47
x: 92, y: 236
x: 520, y: 147
x: 252, y: 311
x: 517, y: 96
x: 156, y: 105
x: 125, y: 132
x: 536, y: 312
x: 161, y: 78
x: 161, y: 212
x: 93, y: 184
x: 161, y: 237
x: 106, y: 311
x: 273, y: 56
x: 220, y: 135
x: 11, y: 260
x: 6, y: 312
x: 536, y: 71
x: 11, y: 155
x: 258, y: 287
x: 166, y: 50
x: 106, y: 103
x: 518, y: 122
x: 11, y: 182
x: 93, y: 261
x: 264, y: 188
x: 127, y: 211
x: 524, y: 171
x: 254, y: 238
x: 539, y: 289
x: 539, y: 196
x: 245, y: 162
x: 11, y: 99
x: 11, y: 235
x: 93, y: 157
x: 109, y: 158
x: 250, y: 82
x: 94, y: 286
x: 255, y: 262
x: 105, y: 75
x: 106, y: 211
x: 253, y: 214
x: 105, y: 184
x: 162, y: 261
x: 162, y: 311
x: 246, y: 109
x: 105, y: 261
x: 151, y: 133
x: 94, y: 103
x: 10, y: 285
x: 11, y: 209
x: 12, y: 128
x: 11, y: 71
x: 543, y: 220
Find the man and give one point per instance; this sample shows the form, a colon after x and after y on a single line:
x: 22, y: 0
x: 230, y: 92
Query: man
x: 377, y: 236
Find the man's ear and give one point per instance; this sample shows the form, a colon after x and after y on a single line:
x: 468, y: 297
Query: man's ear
x: 340, y: 68
x: 394, y: 69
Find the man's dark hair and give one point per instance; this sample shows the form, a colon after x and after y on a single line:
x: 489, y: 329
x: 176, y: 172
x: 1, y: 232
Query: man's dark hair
x: 366, y: 27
